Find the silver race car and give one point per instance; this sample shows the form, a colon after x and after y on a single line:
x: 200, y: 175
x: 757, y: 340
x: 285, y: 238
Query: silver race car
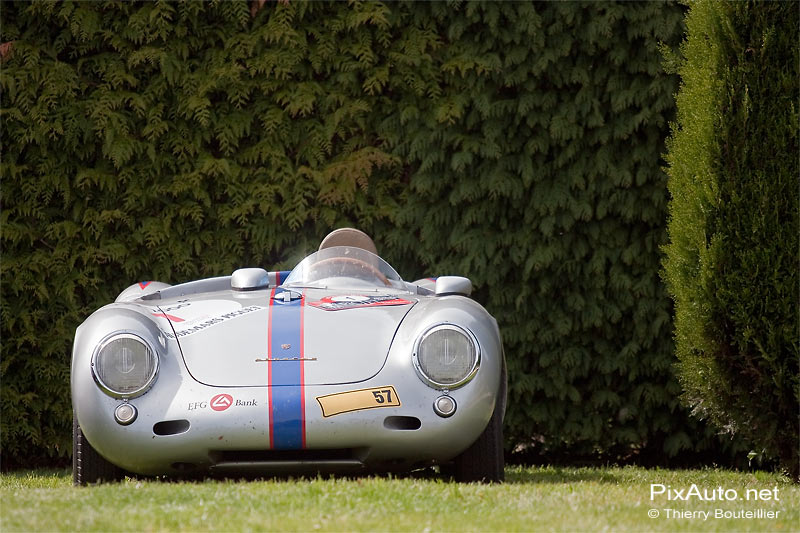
x: 338, y: 366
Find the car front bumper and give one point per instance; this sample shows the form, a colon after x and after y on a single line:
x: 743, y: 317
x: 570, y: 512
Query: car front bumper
x: 190, y: 427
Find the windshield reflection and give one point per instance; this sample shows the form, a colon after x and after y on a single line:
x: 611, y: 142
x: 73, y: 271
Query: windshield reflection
x: 344, y: 267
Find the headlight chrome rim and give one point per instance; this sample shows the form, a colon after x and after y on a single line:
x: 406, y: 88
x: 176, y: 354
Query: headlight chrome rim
x: 446, y: 386
x: 108, y: 339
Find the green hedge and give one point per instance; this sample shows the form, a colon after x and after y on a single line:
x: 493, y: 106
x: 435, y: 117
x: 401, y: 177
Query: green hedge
x: 516, y: 143
x: 735, y: 219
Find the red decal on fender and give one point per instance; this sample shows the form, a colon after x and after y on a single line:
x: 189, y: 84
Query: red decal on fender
x: 355, y: 301
x: 173, y: 318
x: 220, y: 402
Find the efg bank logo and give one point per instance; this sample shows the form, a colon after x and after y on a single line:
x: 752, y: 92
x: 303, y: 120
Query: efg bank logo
x: 221, y: 402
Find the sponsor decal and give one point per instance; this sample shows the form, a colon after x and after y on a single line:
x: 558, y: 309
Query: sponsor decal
x: 164, y: 311
x: 200, y: 326
x: 222, y: 402
x: 357, y: 400
x: 246, y: 403
x: 197, y: 405
x: 180, y: 305
x: 286, y: 375
x: 187, y: 318
x: 144, y: 284
x: 355, y: 301
x: 171, y: 318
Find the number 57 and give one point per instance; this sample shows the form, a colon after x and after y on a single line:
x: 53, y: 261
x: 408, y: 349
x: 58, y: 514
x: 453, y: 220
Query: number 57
x: 383, y: 396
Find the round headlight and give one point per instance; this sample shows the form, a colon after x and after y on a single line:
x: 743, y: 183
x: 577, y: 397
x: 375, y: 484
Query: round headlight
x: 446, y: 356
x: 125, y: 365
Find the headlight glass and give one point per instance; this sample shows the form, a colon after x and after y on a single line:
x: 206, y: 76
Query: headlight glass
x: 446, y: 356
x: 125, y: 365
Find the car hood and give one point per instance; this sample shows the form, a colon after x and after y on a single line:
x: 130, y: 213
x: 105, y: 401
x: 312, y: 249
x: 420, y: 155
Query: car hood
x: 279, y: 337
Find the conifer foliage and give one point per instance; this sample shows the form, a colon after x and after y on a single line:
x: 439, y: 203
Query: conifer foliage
x: 516, y: 143
x: 732, y: 260
x: 534, y: 168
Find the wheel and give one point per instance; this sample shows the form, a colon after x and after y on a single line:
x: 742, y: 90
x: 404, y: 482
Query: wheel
x: 483, y: 461
x: 88, y: 466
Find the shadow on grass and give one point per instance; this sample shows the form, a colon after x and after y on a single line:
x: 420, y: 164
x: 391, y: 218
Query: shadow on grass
x: 515, y: 475
x: 558, y: 475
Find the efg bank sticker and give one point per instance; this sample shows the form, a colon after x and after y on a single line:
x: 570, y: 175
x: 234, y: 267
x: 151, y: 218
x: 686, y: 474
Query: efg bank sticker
x: 220, y: 402
x: 356, y: 400
x: 355, y: 301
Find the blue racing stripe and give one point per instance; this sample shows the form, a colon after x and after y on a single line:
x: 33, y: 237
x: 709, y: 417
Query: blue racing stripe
x: 286, y: 401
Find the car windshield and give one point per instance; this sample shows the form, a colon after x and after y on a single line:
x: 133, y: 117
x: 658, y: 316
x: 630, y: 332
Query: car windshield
x: 344, y: 267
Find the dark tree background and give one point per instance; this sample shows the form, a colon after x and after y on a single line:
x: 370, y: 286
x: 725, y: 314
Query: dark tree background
x: 516, y: 143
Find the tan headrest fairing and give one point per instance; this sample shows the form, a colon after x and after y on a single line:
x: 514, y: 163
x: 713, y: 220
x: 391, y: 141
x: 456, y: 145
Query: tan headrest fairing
x: 349, y: 237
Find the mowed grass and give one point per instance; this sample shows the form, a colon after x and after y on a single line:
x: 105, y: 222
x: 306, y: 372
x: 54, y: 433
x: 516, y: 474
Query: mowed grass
x: 532, y: 499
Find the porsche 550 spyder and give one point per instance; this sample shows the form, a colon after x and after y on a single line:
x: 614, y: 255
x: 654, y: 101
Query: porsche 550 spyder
x: 338, y: 366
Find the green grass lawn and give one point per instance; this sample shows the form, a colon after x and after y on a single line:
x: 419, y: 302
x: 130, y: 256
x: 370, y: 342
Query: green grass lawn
x: 540, y: 499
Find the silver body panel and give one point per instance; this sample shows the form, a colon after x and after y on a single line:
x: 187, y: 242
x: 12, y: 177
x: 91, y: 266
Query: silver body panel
x: 214, y: 345
x: 349, y: 345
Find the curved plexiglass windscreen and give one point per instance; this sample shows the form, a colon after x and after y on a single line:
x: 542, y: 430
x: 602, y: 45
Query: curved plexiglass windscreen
x: 344, y: 266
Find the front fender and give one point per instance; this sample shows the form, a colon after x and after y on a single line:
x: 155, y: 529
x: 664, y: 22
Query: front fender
x: 92, y: 407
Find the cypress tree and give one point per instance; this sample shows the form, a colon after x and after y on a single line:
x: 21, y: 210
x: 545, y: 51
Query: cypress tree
x: 732, y: 260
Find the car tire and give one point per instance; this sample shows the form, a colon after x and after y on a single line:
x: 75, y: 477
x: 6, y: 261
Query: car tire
x: 88, y: 466
x: 483, y: 461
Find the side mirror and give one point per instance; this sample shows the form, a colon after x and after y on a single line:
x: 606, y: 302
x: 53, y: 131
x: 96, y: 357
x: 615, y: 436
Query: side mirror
x: 249, y: 279
x: 453, y: 285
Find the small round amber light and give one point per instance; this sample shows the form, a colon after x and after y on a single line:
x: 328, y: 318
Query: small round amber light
x: 444, y: 406
x: 125, y: 414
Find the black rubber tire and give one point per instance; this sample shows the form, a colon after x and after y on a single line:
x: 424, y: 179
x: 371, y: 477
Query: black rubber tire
x: 484, y: 461
x: 88, y: 466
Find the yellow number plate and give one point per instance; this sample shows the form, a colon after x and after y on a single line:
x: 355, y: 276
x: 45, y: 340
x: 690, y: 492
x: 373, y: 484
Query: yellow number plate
x: 356, y: 400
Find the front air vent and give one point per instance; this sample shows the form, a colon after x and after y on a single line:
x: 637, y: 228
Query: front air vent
x: 407, y: 423
x: 171, y: 427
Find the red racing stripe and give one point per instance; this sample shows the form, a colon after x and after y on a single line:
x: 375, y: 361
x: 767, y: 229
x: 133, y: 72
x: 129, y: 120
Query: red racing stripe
x: 302, y: 367
x: 269, y: 371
